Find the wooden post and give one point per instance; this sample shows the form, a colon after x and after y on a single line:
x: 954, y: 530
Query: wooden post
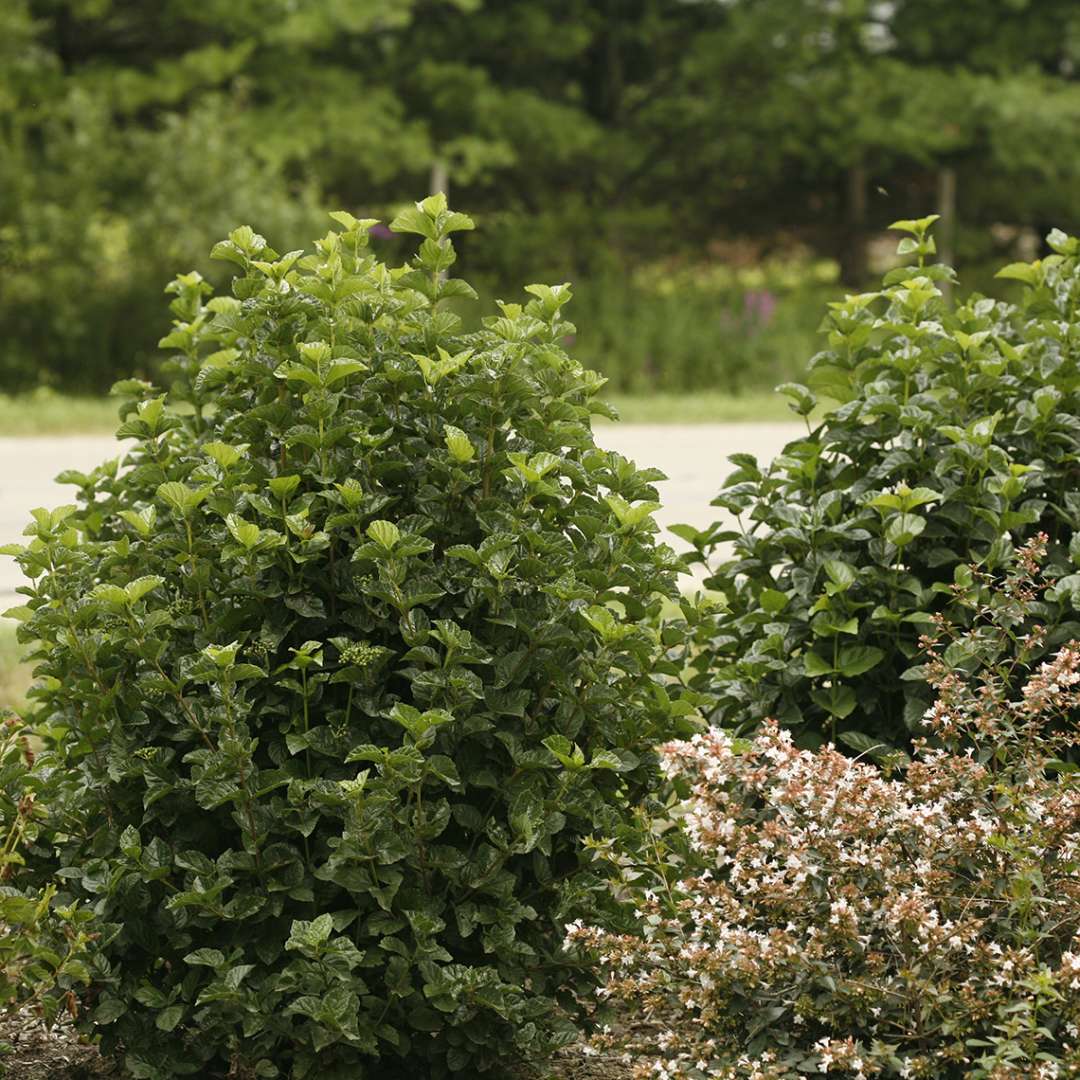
x: 946, y: 227
x: 853, y: 259
x: 440, y: 181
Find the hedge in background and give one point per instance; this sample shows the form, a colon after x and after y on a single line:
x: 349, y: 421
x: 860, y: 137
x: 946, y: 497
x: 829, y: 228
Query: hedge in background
x: 342, y: 668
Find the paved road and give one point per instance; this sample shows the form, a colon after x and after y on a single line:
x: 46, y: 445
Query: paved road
x: 693, y: 457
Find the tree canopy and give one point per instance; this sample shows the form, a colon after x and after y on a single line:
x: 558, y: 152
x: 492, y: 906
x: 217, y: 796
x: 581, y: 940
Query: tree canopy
x: 581, y: 133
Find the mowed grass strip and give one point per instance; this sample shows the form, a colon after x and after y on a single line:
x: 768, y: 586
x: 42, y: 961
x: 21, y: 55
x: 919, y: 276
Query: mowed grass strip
x: 14, y: 671
x: 49, y: 413
x: 708, y: 407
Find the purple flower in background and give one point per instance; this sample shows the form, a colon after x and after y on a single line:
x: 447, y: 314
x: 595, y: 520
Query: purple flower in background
x: 380, y: 231
x: 760, y: 305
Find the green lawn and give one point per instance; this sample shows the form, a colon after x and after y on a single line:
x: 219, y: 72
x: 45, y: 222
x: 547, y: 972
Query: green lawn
x: 14, y: 674
x: 703, y: 408
x: 46, y: 413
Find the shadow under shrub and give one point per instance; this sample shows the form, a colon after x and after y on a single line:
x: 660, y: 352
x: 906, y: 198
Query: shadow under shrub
x: 339, y: 670
x: 818, y: 914
x: 954, y: 433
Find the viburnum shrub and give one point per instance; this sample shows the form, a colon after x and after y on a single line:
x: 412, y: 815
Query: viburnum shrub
x: 952, y: 434
x: 43, y: 944
x: 342, y: 664
x: 830, y: 915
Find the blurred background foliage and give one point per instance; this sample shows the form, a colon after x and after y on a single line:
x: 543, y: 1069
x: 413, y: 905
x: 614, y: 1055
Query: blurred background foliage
x: 706, y: 172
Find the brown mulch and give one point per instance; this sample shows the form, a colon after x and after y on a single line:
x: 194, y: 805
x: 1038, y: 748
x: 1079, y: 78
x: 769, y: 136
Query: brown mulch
x: 59, y: 1054
x: 40, y: 1054
x: 573, y: 1064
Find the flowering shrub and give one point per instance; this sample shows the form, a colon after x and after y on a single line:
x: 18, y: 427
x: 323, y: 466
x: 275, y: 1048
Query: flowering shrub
x: 857, y: 920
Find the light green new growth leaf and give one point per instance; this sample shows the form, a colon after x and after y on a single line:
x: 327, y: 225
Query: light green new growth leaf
x: 630, y: 516
x: 222, y: 360
x: 226, y: 456
x: 139, y: 588
x: 919, y: 497
x: 46, y: 520
x: 181, y: 498
x: 604, y: 621
x: 606, y: 759
x: 543, y: 463
x: 359, y: 226
x: 243, y: 532
x: 352, y: 494
x: 428, y: 368
x: 297, y: 373
x: 458, y: 443
x: 982, y: 431
x: 150, y: 412
x: 223, y: 656
x: 414, y: 220
x: 281, y: 487
x: 455, y: 221
x: 385, y: 533
x: 112, y: 595
x: 569, y: 754
x: 310, y: 935
x: 314, y: 353
x: 341, y: 368
x: 520, y: 461
x: 918, y: 226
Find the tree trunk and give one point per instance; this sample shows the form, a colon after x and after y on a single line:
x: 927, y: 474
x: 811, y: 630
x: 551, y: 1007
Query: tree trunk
x: 853, y: 255
x: 945, y: 232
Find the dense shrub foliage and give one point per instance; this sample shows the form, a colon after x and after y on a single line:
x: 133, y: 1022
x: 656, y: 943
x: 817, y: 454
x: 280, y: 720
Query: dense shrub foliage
x: 341, y: 665
x: 833, y: 916
x: 955, y: 435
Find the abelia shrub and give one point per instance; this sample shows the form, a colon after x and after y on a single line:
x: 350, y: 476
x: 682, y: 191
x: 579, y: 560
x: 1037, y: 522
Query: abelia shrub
x: 830, y: 915
x: 340, y: 668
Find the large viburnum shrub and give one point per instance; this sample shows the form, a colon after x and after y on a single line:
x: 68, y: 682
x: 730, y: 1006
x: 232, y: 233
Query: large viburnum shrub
x: 951, y: 434
x: 340, y: 666
x: 817, y: 914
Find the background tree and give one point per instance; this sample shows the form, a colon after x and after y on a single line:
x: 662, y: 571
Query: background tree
x: 590, y: 137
